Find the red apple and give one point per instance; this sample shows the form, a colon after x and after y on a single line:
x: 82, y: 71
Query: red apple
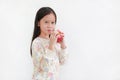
x: 60, y: 36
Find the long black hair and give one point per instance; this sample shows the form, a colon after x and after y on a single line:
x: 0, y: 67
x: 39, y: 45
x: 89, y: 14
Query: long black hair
x: 39, y: 15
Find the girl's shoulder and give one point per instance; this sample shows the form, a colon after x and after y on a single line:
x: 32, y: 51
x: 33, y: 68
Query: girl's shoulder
x: 40, y: 40
x: 36, y: 40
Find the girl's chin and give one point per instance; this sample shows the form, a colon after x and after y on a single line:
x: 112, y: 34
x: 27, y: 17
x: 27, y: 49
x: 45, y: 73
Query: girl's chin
x: 49, y: 32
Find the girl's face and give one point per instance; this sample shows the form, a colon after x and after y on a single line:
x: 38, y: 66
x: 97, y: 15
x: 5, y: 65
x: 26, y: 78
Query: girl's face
x: 47, y: 24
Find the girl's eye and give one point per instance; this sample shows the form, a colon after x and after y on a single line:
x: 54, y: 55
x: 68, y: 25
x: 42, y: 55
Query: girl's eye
x: 46, y: 21
x: 53, y: 22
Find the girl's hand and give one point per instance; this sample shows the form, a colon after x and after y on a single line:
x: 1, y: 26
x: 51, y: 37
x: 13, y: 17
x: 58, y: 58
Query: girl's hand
x: 60, y: 39
x: 53, y: 40
x: 62, y: 44
x: 60, y: 36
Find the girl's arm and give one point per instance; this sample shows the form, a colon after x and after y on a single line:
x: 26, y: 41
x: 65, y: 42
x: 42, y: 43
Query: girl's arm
x: 36, y: 54
x: 63, y: 55
x: 40, y: 54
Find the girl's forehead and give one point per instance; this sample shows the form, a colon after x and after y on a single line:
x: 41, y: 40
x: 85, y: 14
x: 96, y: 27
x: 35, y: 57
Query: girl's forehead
x: 49, y: 16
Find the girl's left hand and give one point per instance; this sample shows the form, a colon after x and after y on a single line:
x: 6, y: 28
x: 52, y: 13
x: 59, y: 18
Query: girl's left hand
x: 62, y: 44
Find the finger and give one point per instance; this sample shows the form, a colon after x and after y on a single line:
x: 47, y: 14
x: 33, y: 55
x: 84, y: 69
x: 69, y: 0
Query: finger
x: 54, y: 34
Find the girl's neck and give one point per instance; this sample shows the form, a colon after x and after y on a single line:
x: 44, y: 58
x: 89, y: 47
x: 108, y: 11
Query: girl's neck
x: 44, y: 36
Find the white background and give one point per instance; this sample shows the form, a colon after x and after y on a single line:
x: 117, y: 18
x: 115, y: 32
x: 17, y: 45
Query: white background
x: 92, y: 29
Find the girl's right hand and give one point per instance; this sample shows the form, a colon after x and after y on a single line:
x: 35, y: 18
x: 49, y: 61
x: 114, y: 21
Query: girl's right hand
x: 53, y: 40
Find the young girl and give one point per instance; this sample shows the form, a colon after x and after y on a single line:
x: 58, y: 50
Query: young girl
x: 46, y: 52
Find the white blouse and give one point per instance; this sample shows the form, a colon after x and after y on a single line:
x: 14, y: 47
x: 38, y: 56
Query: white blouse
x: 46, y: 62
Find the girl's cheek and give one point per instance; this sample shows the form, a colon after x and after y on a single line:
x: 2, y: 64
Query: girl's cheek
x: 54, y: 26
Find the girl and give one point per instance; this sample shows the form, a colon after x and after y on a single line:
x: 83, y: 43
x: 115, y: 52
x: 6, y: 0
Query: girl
x: 46, y: 52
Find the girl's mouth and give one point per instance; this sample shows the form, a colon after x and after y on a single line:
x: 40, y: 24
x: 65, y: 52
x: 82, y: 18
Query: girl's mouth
x: 50, y: 30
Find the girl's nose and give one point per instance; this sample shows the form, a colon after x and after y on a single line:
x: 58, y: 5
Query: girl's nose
x: 50, y: 25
